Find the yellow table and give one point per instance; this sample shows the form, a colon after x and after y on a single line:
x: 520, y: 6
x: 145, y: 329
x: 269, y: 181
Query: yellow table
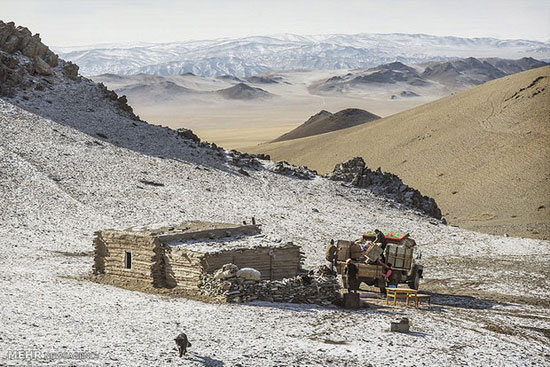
x: 400, y: 293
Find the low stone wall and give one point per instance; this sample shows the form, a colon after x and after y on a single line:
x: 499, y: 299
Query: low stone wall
x: 317, y: 287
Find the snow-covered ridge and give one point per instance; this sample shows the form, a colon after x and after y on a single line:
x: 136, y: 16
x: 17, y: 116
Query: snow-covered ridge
x: 253, y: 55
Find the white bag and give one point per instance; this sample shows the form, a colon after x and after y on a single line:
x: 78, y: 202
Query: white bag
x: 250, y: 274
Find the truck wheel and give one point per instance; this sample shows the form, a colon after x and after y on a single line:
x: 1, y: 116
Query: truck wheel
x: 415, y: 282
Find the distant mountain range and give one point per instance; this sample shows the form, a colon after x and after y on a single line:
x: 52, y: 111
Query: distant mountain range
x: 454, y: 75
x: 248, y: 56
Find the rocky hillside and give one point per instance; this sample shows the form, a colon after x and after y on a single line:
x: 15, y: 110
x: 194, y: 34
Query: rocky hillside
x: 325, y: 121
x: 67, y: 98
x: 356, y: 173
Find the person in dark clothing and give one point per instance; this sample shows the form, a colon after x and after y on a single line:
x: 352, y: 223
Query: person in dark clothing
x: 381, y: 239
x: 182, y: 343
x: 350, y: 272
x: 332, y: 255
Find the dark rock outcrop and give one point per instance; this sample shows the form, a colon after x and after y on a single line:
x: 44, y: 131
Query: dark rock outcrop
x: 13, y: 39
x: 71, y: 70
x: 188, y: 134
x: 302, y: 172
x: 19, y: 40
x: 356, y: 173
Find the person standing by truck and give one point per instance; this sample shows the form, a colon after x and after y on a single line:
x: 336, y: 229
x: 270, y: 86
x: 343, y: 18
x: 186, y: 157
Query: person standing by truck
x: 332, y: 256
x: 381, y: 239
x: 350, y: 273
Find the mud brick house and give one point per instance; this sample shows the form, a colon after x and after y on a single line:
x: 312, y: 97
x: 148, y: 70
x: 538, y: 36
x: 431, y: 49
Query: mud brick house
x: 177, y: 256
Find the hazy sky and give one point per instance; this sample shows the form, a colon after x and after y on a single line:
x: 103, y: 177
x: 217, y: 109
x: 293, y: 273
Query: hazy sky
x: 81, y: 22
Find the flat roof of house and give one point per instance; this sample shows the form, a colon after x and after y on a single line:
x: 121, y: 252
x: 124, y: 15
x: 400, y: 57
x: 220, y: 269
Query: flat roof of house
x: 159, y: 229
x: 233, y: 243
x: 203, y: 236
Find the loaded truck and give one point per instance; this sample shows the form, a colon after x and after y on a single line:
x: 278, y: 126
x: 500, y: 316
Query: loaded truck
x: 372, y: 260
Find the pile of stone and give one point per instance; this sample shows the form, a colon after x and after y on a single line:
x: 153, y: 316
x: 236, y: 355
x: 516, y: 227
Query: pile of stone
x: 356, y: 173
x: 229, y: 284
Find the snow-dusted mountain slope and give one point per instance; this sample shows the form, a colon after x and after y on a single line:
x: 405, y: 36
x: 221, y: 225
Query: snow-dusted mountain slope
x: 255, y: 55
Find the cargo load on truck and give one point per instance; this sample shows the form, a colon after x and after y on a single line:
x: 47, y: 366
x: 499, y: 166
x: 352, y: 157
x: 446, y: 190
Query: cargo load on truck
x: 374, y: 259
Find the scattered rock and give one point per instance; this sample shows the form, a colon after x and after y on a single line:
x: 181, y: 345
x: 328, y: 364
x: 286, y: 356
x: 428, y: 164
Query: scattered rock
x: 401, y: 326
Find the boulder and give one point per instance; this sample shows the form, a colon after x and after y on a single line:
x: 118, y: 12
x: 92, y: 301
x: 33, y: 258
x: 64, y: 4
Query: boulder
x: 348, y: 171
x: 71, y: 70
x: 41, y: 67
x: 401, y: 326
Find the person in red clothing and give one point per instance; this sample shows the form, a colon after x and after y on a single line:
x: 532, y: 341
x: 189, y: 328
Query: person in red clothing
x: 388, y: 269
